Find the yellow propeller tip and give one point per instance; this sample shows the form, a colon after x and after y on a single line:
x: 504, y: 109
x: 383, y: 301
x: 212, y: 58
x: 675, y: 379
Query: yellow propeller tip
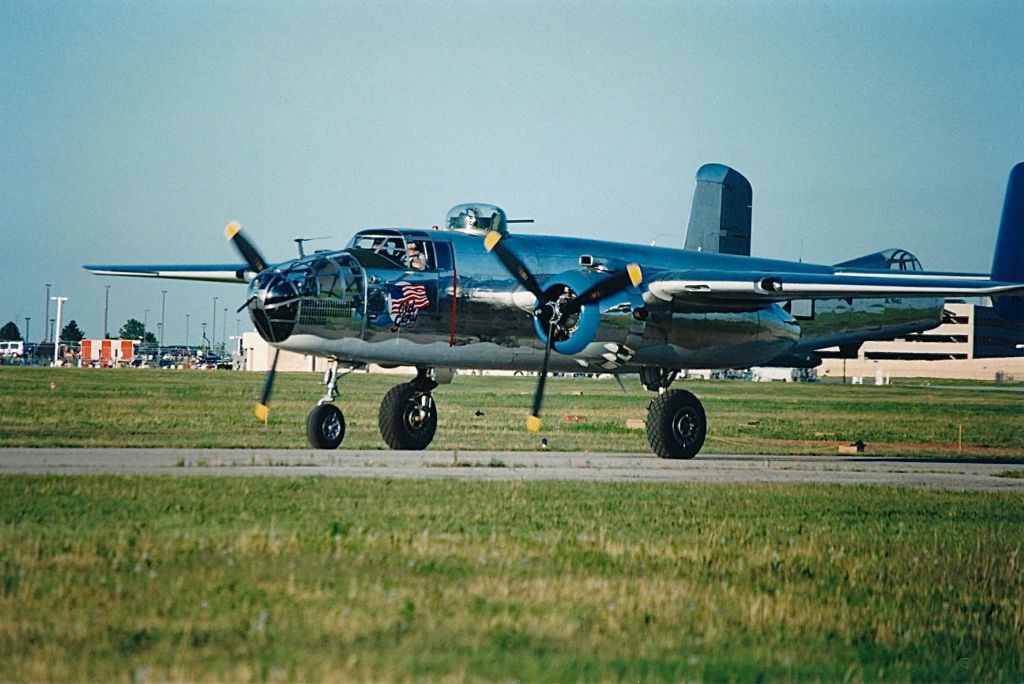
x: 232, y: 230
x: 262, y: 412
x: 491, y: 239
x: 635, y: 275
x: 533, y: 423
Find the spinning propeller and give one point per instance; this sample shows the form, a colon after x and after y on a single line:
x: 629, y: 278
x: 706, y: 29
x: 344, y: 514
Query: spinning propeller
x: 558, y: 307
x: 256, y: 262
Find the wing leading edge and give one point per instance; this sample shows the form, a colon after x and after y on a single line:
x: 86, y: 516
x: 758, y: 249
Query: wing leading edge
x: 759, y: 287
x: 217, y: 273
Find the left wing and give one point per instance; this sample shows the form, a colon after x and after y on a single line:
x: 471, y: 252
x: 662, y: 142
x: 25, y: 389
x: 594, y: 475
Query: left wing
x: 763, y: 287
x: 218, y: 273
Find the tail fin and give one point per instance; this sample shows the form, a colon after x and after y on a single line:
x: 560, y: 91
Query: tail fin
x: 720, y: 214
x: 1008, y: 261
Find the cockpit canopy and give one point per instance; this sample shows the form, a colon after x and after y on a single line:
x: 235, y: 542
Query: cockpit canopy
x: 476, y: 219
x: 889, y: 259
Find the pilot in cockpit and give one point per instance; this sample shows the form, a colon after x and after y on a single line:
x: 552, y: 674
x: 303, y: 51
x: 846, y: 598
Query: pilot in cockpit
x: 414, y: 257
x: 471, y: 219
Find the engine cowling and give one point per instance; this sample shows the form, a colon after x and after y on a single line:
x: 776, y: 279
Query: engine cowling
x: 573, y: 331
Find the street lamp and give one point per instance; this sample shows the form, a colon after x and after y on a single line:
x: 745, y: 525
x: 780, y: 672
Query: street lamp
x: 186, y: 330
x: 28, y: 319
x: 213, y: 327
x: 56, y: 336
x: 46, y: 332
x: 106, y: 308
x: 224, y: 331
x: 163, y: 302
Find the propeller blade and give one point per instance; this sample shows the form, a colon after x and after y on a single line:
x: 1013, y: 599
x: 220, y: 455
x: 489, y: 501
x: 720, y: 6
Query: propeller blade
x: 493, y: 243
x: 263, y: 408
x: 631, y: 275
x: 533, y: 420
x: 233, y: 233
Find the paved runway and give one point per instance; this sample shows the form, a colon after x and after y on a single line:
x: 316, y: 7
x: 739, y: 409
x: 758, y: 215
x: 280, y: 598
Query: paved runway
x: 481, y: 465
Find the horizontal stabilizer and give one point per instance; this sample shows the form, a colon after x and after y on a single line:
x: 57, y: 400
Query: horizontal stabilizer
x: 218, y: 273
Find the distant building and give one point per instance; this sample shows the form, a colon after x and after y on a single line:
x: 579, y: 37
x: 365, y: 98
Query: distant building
x: 973, y: 342
x: 970, y: 331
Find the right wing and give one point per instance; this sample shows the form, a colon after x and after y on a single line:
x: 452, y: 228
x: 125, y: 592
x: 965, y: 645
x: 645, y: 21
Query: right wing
x: 217, y: 273
x: 708, y: 287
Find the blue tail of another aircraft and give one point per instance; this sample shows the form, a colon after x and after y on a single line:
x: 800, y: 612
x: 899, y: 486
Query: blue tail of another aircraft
x: 1008, y: 261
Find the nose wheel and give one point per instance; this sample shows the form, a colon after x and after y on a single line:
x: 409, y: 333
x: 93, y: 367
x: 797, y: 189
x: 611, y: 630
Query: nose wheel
x: 325, y: 426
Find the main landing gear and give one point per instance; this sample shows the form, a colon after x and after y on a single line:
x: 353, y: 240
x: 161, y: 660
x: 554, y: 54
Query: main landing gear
x: 408, y: 414
x: 676, y: 422
x: 407, y: 417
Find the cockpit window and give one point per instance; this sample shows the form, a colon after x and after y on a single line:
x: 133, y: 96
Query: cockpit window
x: 476, y: 218
x: 395, y: 251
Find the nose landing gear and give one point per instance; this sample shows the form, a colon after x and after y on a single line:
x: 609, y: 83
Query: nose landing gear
x: 325, y: 425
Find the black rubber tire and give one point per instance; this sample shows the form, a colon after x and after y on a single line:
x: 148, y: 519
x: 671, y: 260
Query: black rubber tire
x: 407, y: 418
x: 325, y: 426
x: 676, y: 425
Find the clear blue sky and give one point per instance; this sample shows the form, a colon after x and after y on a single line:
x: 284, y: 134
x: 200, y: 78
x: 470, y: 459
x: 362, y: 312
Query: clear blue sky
x: 131, y: 132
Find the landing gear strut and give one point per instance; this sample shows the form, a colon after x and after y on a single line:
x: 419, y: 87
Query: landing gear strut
x: 676, y: 423
x: 408, y: 414
x: 325, y: 425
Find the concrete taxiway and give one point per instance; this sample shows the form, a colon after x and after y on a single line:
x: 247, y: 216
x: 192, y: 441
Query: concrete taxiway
x: 524, y: 466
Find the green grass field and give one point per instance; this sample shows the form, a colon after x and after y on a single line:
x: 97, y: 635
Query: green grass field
x: 151, y: 408
x: 132, y: 579
x: 311, y: 579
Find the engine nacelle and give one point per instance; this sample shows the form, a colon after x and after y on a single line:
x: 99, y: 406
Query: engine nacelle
x: 574, y: 331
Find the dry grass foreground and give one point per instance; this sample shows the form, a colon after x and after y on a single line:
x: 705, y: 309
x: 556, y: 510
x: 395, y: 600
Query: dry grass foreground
x: 204, y: 579
x: 151, y: 408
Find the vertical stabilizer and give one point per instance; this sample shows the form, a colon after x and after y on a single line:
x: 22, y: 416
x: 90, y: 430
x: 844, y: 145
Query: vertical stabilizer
x: 1008, y: 261
x: 720, y: 215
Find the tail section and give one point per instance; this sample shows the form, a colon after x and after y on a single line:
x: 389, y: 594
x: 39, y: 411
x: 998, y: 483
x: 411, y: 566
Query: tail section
x: 1008, y: 261
x: 720, y: 214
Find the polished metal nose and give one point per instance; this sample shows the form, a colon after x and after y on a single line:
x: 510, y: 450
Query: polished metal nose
x: 273, y: 306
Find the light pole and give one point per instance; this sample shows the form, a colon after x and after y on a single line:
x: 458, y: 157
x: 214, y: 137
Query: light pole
x: 56, y: 334
x: 205, y: 338
x: 213, y: 328
x: 46, y: 332
x: 106, y: 308
x: 28, y: 319
x: 163, y: 302
x: 186, y: 330
x: 224, y: 331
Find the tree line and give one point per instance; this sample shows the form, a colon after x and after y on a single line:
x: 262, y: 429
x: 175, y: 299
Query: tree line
x: 132, y: 330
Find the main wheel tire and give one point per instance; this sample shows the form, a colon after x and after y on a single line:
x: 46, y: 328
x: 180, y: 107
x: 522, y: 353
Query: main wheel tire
x: 325, y: 426
x: 676, y: 425
x: 407, y: 418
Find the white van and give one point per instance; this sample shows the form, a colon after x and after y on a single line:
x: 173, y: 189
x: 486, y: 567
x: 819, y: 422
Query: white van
x: 8, y: 349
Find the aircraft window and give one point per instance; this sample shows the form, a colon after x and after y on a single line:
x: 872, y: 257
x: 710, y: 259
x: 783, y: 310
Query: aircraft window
x: 443, y: 250
x: 304, y: 280
x: 902, y: 260
x: 476, y: 218
x: 388, y: 246
x: 329, y: 278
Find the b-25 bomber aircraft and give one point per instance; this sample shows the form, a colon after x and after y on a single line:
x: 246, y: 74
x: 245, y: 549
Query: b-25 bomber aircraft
x: 473, y: 295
